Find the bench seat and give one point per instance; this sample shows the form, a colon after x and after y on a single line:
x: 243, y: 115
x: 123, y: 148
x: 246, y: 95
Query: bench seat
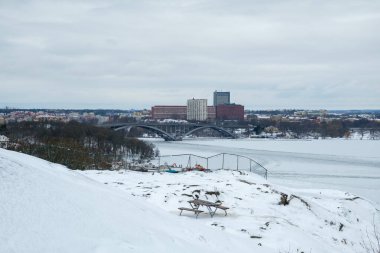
x: 196, y: 211
x: 224, y: 208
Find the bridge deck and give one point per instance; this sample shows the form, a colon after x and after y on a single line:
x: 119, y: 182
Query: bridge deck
x: 172, y: 132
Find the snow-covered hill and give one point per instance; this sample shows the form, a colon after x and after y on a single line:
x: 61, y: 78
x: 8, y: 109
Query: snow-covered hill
x: 47, y: 208
x: 314, y: 221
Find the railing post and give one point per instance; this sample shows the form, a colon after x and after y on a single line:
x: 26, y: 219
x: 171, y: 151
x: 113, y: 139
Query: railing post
x: 250, y: 165
x: 223, y: 162
x: 237, y: 162
x: 207, y: 163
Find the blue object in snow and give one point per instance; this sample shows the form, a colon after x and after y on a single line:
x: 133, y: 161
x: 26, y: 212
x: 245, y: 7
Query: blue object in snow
x: 171, y: 171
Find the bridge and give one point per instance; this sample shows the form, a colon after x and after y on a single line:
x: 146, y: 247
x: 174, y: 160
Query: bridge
x: 171, y: 131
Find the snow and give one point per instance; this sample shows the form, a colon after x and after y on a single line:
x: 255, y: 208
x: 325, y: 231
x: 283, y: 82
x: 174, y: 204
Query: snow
x: 254, y: 209
x: 347, y: 165
x: 46, y: 207
x: 356, y: 148
x: 4, y: 138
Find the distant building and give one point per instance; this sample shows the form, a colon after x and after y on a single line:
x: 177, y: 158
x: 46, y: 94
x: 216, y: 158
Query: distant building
x: 177, y: 112
x: 211, y: 113
x: 221, y: 98
x: 169, y: 112
x: 230, y: 112
x: 197, y: 109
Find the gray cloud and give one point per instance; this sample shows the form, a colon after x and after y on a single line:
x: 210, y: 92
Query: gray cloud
x: 124, y: 54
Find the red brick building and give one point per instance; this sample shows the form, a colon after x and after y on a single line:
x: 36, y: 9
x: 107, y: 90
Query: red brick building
x: 230, y: 112
x: 177, y: 112
x: 211, y: 112
x: 169, y: 112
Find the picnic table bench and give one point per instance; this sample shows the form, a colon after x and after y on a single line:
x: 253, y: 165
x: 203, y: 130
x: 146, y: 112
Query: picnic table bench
x: 211, y: 207
x: 196, y: 211
x: 224, y: 208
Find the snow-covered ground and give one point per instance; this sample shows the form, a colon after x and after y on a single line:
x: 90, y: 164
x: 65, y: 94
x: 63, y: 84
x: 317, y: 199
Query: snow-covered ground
x: 347, y: 165
x: 47, y: 208
x: 315, y: 221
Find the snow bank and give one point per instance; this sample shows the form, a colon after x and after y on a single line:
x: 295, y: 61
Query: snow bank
x: 317, y: 221
x: 47, y: 208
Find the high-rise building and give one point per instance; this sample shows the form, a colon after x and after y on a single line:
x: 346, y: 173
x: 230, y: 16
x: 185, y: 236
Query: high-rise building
x: 197, y: 109
x: 221, y: 97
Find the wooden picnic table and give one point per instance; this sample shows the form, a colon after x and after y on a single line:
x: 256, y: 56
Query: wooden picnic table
x: 196, y: 203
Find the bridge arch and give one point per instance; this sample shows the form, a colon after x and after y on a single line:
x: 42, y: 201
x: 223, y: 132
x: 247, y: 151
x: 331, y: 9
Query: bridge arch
x: 166, y: 136
x: 216, y: 128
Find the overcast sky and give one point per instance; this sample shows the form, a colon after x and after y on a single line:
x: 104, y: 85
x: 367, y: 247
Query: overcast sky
x: 134, y: 54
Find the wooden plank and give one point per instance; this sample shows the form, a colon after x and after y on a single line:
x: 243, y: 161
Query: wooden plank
x: 203, y: 202
x: 190, y: 209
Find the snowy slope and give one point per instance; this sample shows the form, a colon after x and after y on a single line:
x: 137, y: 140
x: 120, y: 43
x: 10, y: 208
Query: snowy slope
x: 47, y: 208
x: 318, y: 221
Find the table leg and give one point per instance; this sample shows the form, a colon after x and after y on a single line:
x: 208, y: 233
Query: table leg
x: 212, y: 213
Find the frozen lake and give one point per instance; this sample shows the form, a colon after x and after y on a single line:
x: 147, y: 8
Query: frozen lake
x: 347, y: 165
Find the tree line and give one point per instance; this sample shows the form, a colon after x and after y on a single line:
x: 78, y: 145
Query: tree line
x: 76, y: 145
x: 335, y: 128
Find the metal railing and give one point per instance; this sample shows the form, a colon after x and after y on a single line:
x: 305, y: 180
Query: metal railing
x: 214, y: 162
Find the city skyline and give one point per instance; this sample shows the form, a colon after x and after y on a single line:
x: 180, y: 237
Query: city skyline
x: 127, y: 54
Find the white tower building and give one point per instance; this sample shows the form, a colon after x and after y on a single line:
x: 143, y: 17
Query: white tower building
x: 197, y: 109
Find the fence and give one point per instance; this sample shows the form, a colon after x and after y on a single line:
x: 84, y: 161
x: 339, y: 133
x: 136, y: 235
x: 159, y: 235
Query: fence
x: 218, y: 161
